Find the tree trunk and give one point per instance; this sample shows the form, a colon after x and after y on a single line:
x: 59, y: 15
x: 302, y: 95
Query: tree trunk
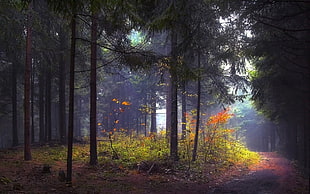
x: 41, y: 105
x: 198, y: 112
x: 32, y: 105
x: 14, y: 105
x: 306, y: 140
x: 145, y: 125
x: 174, y: 99
x: 138, y: 125
x: 77, y: 115
x: 27, y: 150
x: 265, y: 137
x: 71, y: 101
x: 294, y: 130
x: 62, y: 91
x: 183, y: 110
x: 93, y: 93
x: 153, y: 113
x: 48, y: 100
x: 168, y: 107
x: 272, y: 139
x: 290, y: 141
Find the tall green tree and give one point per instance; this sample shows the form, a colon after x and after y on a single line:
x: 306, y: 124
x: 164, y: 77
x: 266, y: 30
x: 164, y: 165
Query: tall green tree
x: 70, y: 8
x: 280, y: 84
x: 12, y: 46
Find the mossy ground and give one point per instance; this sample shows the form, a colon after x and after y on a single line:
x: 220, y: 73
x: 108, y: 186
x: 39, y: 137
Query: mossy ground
x: 112, y: 175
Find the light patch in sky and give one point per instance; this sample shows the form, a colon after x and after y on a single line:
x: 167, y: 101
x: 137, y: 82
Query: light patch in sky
x: 135, y: 37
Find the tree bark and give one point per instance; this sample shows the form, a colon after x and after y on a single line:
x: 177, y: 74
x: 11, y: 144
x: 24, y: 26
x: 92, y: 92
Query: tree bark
x: 14, y: 105
x: 71, y: 101
x: 273, y: 139
x: 174, y: 99
x: 198, y: 112
x: 41, y: 105
x: 62, y: 90
x: 48, y: 100
x: 27, y: 149
x: 77, y: 115
x: 93, y: 93
x: 168, y: 107
x: 183, y: 110
x: 32, y: 105
x: 306, y: 139
x: 153, y: 112
x: 145, y: 124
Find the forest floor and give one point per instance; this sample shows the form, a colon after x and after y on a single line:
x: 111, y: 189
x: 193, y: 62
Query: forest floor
x: 273, y: 174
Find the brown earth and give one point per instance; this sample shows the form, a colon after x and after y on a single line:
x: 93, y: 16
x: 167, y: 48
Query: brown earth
x: 274, y: 174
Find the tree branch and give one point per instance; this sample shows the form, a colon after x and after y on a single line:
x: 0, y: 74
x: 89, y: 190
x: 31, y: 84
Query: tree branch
x: 282, y: 29
x: 103, y: 65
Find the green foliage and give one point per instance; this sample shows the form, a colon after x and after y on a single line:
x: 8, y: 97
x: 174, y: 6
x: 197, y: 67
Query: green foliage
x: 5, y: 180
x: 217, y: 144
x: 49, y: 154
x: 133, y: 150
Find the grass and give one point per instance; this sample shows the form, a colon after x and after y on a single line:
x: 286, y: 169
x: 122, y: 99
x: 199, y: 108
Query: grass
x: 123, y: 157
x: 143, y: 162
x: 133, y: 151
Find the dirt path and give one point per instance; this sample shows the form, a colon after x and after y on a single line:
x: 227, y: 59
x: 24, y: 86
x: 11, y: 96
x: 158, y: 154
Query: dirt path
x: 274, y: 174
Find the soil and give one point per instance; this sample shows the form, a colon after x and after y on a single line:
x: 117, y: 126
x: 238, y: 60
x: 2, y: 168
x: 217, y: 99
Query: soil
x: 274, y: 174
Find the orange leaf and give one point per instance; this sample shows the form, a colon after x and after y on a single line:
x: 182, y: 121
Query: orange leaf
x: 126, y: 103
x: 220, y: 118
x: 230, y: 130
x: 207, y: 139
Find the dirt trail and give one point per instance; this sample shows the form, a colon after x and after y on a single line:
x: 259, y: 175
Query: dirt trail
x: 274, y: 174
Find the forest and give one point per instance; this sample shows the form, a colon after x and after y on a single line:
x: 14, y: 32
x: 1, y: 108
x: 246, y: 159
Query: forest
x: 177, y: 88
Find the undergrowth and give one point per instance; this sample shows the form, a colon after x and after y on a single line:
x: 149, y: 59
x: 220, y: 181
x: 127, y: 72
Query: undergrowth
x: 218, y: 149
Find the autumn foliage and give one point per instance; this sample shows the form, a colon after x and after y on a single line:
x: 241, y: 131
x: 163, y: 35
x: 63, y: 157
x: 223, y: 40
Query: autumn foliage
x: 217, y: 142
x: 220, y: 118
x: 218, y: 148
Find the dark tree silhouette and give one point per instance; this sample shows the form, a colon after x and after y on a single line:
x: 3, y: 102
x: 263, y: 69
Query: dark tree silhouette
x: 174, y: 98
x: 198, y: 110
x: 93, y: 92
x: 27, y: 86
x: 71, y: 99
x: 14, y: 104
